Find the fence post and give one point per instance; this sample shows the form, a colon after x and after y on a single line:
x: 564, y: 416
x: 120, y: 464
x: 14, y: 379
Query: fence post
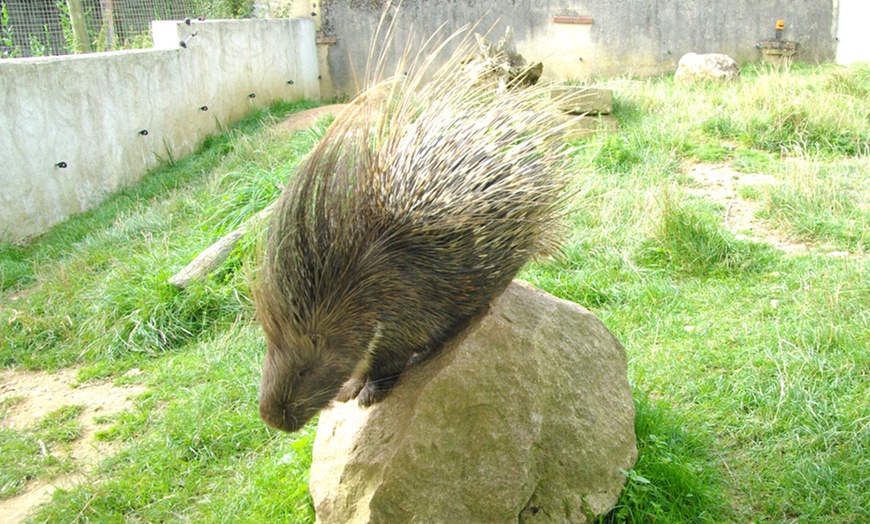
x: 77, y: 17
x: 108, y: 24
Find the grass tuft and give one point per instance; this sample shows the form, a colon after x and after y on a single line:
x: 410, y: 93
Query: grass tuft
x: 688, y: 240
x: 822, y: 202
x: 33, y: 454
x: 681, y: 481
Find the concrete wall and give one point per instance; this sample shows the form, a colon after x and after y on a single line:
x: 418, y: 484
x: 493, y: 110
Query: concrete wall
x: 644, y: 37
x: 852, y: 34
x: 88, y: 111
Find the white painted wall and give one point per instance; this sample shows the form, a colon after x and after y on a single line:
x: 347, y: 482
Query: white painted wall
x: 853, y: 32
x: 88, y: 110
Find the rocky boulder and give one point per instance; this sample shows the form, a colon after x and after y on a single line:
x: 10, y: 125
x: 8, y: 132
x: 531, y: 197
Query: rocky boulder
x: 708, y: 67
x: 502, y: 63
x: 527, y: 417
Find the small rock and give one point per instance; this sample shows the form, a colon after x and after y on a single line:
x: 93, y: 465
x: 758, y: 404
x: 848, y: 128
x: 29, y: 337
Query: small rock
x: 579, y: 127
x: 502, y: 62
x: 583, y: 100
x: 707, y: 67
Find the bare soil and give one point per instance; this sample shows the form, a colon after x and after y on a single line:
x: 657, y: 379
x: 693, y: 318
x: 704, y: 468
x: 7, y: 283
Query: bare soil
x: 307, y: 118
x: 40, y: 394
x: 721, y: 184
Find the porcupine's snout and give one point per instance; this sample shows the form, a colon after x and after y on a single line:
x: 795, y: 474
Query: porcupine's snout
x: 295, y: 388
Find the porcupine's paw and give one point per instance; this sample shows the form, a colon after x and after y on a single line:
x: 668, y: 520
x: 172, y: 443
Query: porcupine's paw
x: 376, y: 390
x: 351, y: 389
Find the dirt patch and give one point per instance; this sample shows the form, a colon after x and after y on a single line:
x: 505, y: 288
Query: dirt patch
x: 42, y: 393
x: 721, y: 184
x: 308, y: 118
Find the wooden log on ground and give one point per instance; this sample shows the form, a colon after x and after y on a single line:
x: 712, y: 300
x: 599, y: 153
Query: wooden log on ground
x: 216, y: 254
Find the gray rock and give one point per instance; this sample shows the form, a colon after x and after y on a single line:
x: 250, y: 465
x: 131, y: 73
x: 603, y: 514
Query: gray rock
x: 579, y: 127
x: 501, y: 62
x: 708, y: 67
x: 527, y: 417
x: 580, y: 100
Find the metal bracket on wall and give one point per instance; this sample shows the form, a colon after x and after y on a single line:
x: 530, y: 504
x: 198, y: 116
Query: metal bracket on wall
x: 566, y: 19
x: 323, y: 39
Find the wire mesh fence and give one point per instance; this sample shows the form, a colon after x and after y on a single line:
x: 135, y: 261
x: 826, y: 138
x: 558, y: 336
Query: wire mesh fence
x: 59, y: 27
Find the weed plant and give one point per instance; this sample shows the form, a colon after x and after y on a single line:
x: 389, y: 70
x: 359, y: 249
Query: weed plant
x: 749, y: 363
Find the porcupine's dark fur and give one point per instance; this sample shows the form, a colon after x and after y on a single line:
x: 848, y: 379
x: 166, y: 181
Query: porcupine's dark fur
x: 420, y: 204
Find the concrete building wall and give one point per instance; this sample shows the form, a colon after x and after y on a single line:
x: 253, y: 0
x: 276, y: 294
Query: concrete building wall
x: 645, y: 37
x: 72, y: 128
x: 852, y: 34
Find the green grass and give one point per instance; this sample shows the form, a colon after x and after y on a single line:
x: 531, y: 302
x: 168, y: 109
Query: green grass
x: 195, y: 449
x: 33, y: 452
x: 691, y: 241
x: 826, y: 201
x: 749, y: 364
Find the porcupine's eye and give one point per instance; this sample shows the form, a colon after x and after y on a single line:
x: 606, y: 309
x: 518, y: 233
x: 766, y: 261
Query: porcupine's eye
x: 303, y: 372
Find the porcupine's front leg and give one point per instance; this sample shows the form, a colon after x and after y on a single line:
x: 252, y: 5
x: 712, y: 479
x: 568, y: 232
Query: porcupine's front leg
x: 350, y: 390
x: 368, y: 389
x: 380, y: 381
x: 371, y: 387
x: 386, y: 369
x: 389, y: 356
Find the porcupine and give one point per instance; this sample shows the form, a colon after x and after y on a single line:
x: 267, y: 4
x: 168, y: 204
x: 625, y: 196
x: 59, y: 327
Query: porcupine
x: 420, y: 204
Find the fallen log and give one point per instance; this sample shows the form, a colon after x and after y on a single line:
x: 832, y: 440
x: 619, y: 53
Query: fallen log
x: 216, y: 254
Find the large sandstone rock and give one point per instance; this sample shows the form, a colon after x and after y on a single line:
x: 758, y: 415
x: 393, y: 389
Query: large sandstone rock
x: 700, y: 68
x: 527, y: 418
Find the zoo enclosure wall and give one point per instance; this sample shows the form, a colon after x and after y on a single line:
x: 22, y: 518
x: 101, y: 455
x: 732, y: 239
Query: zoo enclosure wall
x: 582, y: 39
x: 75, y: 129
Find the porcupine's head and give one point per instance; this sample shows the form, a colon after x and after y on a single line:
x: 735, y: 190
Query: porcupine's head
x: 309, y: 355
x: 301, y: 375
x: 307, y: 298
